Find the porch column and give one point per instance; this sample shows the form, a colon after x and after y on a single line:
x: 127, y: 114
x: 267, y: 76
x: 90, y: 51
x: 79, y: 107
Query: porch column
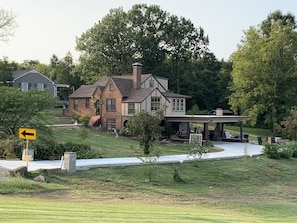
x: 205, y: 129
x: 241, y: 131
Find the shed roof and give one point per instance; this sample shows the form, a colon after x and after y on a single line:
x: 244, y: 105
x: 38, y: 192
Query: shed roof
x: 206, y: 118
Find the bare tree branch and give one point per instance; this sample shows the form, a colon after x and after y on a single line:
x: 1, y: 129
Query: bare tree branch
x: 7, y: 24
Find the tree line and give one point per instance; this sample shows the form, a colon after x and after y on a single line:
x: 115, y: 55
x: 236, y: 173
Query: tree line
x: 258, y: 80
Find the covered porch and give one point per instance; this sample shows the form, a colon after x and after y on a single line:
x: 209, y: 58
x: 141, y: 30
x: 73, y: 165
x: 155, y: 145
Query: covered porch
x: 218, y: 134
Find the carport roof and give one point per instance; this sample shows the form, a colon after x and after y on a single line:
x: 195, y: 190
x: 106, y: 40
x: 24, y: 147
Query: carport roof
x: 206, y: 118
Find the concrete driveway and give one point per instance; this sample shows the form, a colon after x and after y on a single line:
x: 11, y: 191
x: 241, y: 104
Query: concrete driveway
x: 230, y: 150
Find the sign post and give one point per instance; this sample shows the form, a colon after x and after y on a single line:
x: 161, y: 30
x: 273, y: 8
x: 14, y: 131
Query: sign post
x: 28, y: 134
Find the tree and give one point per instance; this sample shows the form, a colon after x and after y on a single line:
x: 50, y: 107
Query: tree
x: 147, y: 34
x: 277, y: 16
x: 223, y: 83
x: 289, y: 125
x: 64, y: 71
x: 7, y: 24
x: 264, y: 74
x: 6, y: 69
x: 146, y: 127
x: 21, y: 108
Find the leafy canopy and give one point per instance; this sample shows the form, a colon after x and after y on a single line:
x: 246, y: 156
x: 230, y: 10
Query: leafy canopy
x: 146, y: 127
x: 265, y: 73
x: 145, y: 33
x: 21, y: 108
x: 289, y: 125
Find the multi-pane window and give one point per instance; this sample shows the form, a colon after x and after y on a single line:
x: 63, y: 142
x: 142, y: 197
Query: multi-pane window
x: 75, y: 104
x: 111, y: 104
x: 177, y: 104
x: 110, y: 124
x: 87, y: 102
x: 110, y: 86
x: 155, y: 103
x: 40, y: 86
x: 173, y: 104
x: 24, y: 86
x: 131, y: 108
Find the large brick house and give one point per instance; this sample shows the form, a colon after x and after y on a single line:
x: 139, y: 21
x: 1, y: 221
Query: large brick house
x: 116, y: 98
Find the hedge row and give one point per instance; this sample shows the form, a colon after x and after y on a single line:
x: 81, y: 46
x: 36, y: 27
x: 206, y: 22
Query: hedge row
x: 45, y: 149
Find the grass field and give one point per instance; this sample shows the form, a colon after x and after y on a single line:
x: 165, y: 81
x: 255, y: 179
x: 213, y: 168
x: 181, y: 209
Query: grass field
x: 248, y: 189
x: 240, y: 190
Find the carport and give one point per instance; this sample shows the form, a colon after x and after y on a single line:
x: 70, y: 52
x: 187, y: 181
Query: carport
x: 219, y: 120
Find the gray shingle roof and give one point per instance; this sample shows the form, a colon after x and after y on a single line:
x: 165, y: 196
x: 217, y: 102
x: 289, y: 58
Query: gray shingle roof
x: 19, y: 73
x: 84, y: 91
x: 174, y: 95
x: 139, y: 95
x: 124, y: 85
x: 102, y: 81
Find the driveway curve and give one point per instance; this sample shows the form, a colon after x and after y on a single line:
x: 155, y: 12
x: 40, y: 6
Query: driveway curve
x: 230, y: 150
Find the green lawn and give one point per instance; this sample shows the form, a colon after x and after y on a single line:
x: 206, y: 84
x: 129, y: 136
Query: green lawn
x: 249, y: 189
x: 253, y: 189
x: 109, y: 146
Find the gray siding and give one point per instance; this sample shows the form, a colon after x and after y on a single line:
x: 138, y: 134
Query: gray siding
x: 33, y: 79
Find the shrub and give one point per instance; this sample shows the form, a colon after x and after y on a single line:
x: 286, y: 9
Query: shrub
x: 277, y: 151
x: 11, y: 148
x: 84, y: 120
x: 272, y: 150
x: 47, y: 149
x: 286, y: 152
x: 50, y: 150
x: 75, y: 117
x: 83, y: 151
x: 293, y: 147
x: 125, y: 132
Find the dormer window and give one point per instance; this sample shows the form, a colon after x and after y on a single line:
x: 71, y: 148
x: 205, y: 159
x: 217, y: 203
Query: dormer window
x: 151, y: 83
x: 110, y: 87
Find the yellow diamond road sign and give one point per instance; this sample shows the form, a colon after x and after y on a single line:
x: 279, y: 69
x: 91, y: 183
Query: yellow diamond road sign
x: 25, y: 133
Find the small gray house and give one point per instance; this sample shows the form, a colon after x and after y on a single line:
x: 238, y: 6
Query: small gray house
x: 28, y: 79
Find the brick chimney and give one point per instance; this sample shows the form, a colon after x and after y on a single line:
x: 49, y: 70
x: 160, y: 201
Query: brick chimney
x: 136, y: 75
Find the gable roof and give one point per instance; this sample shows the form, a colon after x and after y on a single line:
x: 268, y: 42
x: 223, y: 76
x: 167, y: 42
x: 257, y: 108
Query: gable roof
x: 20, y: 73
x: 84, y: 91
x: 124, y: 85
x: 102, y: 81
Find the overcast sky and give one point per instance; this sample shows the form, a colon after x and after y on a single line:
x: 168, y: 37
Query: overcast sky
x: 47, y: 27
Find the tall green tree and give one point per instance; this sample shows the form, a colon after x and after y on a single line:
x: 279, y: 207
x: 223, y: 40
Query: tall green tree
x: 106, y: 47
x: 223, y: 84
x: 265, y: 73
x: 64, y: 71
x: 21, y: 108
x: 145, y: 34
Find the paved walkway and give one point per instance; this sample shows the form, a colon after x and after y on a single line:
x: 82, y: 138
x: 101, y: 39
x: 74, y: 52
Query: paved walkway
x: 230, y: 150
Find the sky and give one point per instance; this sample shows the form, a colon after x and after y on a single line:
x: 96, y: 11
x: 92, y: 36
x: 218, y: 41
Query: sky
x: 47, y: 27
